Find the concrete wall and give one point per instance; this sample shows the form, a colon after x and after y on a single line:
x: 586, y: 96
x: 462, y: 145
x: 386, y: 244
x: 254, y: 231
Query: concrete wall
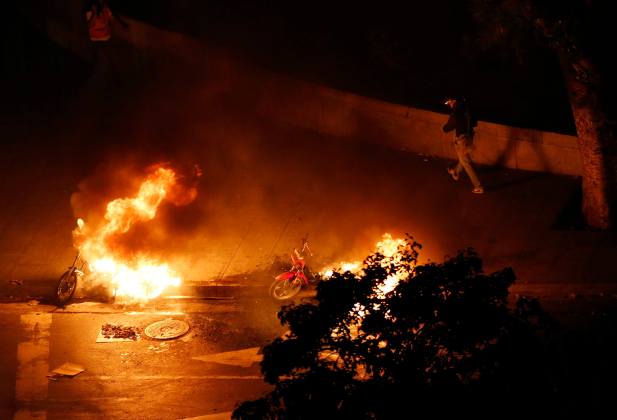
x: 334, y: 113
x: 356, y: 118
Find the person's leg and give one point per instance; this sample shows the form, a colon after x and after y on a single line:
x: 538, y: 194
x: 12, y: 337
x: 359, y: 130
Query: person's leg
x: 459, y: 166
x: 464, y: 162
x: 456, y: 169
x: 459, y: 147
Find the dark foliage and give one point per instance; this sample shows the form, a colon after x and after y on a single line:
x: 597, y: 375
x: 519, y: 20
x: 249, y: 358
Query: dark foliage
x: 444, y: 341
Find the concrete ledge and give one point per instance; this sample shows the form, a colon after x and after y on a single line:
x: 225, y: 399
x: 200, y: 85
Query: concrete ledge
x: 353, y: 117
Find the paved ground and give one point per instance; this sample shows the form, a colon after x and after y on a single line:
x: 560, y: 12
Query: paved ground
x: 205, y: 372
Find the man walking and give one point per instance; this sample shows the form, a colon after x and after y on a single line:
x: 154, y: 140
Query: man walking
x: 462, y: 124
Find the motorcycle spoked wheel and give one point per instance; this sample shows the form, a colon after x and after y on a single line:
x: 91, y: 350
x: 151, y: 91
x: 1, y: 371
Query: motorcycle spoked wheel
x: 285, y: 289
x: 66, y: 287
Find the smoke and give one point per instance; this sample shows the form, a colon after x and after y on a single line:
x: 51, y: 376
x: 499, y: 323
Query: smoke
x: 264, y: 185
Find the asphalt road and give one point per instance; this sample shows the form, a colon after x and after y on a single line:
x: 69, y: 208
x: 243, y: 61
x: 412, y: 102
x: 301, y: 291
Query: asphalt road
x: 205, y: 373
x: 194, y: 375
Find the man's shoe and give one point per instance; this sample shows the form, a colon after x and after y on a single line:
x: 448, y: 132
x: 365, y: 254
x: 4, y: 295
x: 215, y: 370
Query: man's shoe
x: 453, y: 174
x: 478, y: 190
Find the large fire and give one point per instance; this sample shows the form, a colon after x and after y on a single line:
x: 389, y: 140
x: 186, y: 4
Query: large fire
x: 138, y: 276
x: 390, y: 249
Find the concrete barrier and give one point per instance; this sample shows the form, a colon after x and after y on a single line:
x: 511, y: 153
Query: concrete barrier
x: 356, y: 118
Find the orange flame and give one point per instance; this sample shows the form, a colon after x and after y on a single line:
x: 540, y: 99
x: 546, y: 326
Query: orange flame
x: 389, y: 248
x: 140, y: 277
x: 392, y: 250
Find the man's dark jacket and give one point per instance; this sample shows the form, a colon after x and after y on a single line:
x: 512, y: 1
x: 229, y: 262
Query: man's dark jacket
x: 461, y: 121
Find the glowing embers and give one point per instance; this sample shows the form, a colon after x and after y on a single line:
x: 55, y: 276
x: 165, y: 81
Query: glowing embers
x: 133, y: 274
x: 343, y: 267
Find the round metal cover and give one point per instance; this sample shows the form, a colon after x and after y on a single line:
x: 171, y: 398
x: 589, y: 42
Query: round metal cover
x: 166, y: 329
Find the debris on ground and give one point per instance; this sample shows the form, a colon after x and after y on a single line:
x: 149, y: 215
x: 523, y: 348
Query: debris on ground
x: 65, y: 370
x: 33, y: 302
x: 167, y: 329
x: 160, y: 348
x: 112, y: 333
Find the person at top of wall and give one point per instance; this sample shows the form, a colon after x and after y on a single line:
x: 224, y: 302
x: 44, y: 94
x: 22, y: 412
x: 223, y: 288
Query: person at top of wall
x: 461, y: 122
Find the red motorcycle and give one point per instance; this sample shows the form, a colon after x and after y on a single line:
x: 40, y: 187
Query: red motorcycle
x: 288, y: 284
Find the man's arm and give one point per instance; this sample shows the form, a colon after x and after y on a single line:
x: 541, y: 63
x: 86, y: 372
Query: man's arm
x: 450, y: 125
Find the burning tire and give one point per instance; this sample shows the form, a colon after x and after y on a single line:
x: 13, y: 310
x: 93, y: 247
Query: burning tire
x: 66, y: 287
x: 285, y: 289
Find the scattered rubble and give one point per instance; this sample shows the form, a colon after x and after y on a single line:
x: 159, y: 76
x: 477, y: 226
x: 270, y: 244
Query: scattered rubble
x: 111, y: 333
x: 160, y: 348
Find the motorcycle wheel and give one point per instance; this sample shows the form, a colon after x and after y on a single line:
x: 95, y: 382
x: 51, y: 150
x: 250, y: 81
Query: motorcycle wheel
x: 285, y: 289
x: 66, y: 287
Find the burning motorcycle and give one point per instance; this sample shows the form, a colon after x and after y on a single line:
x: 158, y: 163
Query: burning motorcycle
x: 68, y: 280
x: 289, y: 283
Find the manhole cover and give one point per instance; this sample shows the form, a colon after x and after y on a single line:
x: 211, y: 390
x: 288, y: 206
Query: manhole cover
x: 166, y: 329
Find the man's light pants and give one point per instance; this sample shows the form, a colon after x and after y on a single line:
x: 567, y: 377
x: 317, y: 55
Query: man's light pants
x: 461, y: 145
